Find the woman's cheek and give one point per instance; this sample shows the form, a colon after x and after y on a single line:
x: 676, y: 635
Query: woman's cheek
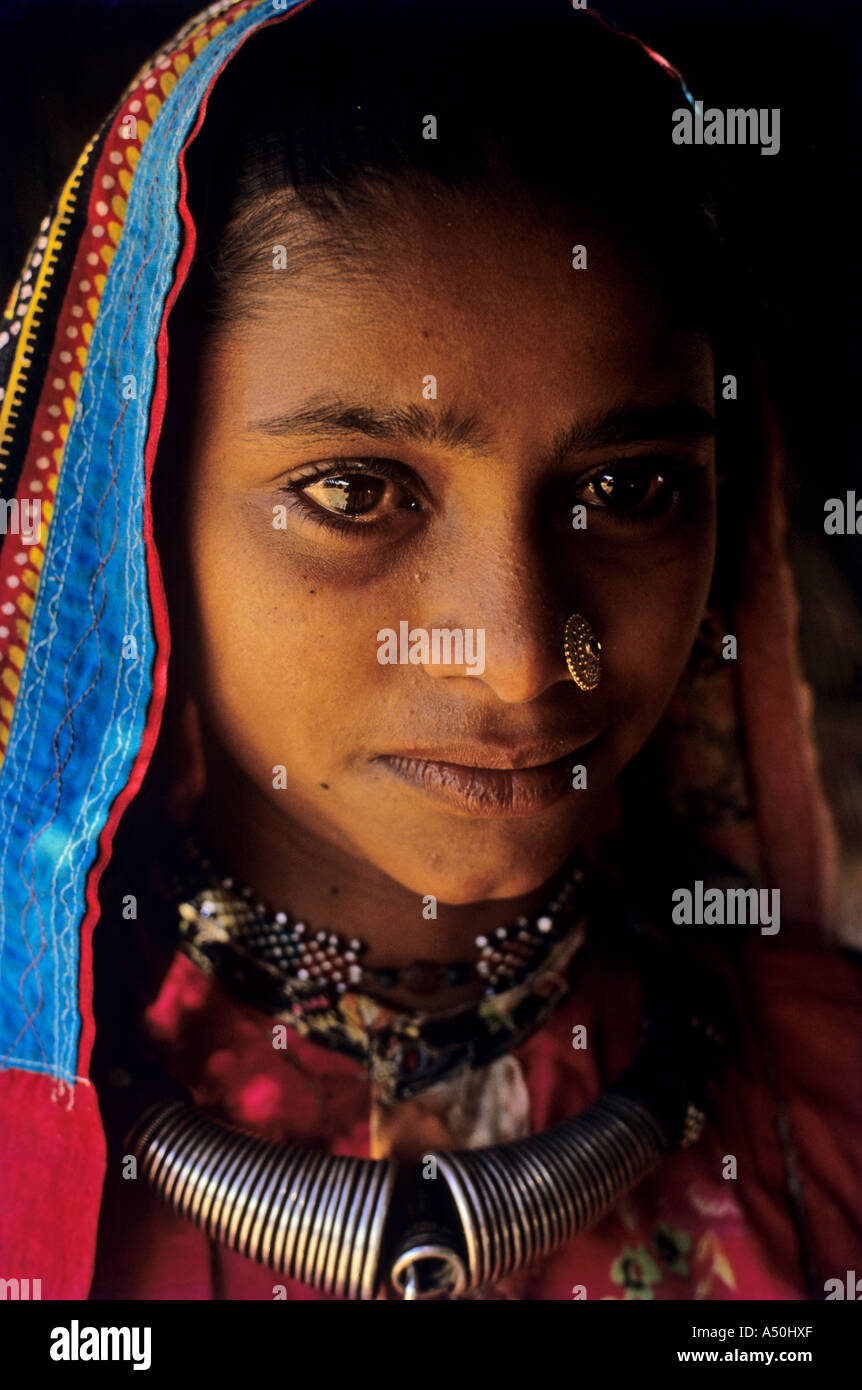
x: 286, y: 649
x: 649, y: 618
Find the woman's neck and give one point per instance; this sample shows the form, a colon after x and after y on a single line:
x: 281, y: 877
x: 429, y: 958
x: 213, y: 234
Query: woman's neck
x: 291, y: 869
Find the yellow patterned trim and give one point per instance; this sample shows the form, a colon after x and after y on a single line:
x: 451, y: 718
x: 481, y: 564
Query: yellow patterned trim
x: 23, y: 359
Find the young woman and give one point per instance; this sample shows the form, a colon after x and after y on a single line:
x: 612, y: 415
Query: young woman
x: 415, y: 876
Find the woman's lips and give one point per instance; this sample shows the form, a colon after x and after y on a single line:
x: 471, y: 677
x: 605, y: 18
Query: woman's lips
x: 489, y: 791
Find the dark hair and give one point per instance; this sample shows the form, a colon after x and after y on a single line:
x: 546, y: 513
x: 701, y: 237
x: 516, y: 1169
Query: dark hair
x: 327, y: 111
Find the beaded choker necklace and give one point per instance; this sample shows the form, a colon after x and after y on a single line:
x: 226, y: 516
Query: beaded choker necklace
x: 270, y: 965
x: 329, y: 964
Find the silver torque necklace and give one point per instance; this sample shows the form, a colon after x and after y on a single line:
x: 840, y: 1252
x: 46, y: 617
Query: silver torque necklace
x: 344, y: 1226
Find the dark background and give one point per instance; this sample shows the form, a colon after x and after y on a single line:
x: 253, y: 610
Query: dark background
x: 66, y: 63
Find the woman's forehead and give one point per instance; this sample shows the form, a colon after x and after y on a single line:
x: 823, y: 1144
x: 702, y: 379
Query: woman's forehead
x: 438, y: 275
x: 448, y: 324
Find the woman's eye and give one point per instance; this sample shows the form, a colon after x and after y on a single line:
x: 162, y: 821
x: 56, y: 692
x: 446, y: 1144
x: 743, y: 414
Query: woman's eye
x: 644, y: 490
x: 351, y: 494
x: 354, y: 496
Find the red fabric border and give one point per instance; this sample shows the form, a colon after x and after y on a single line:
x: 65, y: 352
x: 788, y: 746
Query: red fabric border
x: 52, y: 1167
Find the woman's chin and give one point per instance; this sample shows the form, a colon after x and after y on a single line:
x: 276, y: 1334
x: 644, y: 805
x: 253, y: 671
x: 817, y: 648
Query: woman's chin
x: 457, y: 880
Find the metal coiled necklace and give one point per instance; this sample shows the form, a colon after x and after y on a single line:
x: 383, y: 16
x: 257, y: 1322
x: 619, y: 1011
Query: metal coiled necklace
x: 359, y: 1228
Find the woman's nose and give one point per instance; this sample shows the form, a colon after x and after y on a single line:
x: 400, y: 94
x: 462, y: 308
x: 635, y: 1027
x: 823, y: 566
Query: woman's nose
x: 508, y: 616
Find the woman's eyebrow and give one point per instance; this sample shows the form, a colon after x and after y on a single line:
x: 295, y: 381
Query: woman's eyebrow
x: 680, y: 420
x: 425, y: 425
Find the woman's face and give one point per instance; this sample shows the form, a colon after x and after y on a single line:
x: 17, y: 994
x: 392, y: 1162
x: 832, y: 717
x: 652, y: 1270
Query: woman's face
x: 401, y: 437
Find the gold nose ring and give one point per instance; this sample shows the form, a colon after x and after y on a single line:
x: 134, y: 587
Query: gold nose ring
x: 582, y: 648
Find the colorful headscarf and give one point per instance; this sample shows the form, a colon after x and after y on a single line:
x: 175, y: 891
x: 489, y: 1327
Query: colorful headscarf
x: 84, y: 638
